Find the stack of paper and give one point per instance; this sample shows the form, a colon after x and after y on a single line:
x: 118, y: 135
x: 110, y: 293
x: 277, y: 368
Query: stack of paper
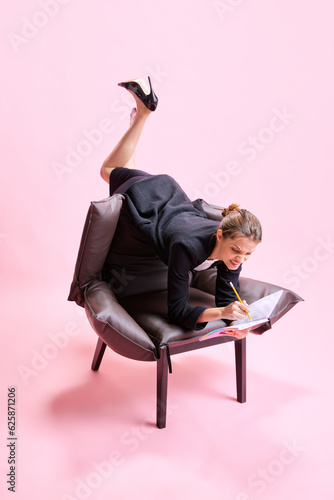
x: 260, y: 312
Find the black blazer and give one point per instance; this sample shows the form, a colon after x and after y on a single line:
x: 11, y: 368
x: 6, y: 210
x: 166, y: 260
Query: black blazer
x: 179, y: 231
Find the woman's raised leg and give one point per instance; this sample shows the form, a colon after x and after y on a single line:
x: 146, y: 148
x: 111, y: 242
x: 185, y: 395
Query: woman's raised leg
x: 131, y: 162
x: 123, y: 153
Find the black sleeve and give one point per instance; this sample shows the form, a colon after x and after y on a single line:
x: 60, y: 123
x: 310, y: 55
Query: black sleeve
x: 179, y: 312
x: 224, y: 292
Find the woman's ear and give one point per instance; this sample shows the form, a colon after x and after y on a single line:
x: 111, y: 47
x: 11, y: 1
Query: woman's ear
x: 219, y: 234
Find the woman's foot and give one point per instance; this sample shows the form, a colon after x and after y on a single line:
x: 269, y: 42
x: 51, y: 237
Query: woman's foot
x: 144, y: 96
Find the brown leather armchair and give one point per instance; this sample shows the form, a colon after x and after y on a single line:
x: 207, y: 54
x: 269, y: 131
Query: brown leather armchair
x: 130, y: 315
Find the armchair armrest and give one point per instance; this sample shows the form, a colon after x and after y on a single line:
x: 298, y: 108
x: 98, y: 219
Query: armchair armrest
x: 114, y: 325
x: 250, y: 290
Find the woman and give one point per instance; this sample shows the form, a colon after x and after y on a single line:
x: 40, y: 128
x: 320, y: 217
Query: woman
x: 176, y: 229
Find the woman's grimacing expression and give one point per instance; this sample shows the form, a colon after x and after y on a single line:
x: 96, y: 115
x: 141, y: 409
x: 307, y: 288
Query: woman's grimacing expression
x: 233, y: 252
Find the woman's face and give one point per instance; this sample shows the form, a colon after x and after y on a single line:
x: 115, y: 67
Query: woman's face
x: 233, y: 252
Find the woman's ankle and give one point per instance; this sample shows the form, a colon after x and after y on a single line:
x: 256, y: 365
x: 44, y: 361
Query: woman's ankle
x: 142, y: 111
x: 140, y: 117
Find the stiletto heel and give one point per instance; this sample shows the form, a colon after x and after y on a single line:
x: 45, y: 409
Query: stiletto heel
x: 139, y: 88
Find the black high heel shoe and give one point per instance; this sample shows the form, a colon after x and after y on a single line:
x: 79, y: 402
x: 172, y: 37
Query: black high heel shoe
x: 139, y: 88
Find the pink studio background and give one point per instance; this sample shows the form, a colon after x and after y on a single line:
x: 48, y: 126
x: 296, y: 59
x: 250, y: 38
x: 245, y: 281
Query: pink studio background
x: 248, y: 82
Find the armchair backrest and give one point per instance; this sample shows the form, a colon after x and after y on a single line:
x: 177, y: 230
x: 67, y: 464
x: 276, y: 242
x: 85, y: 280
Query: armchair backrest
x: 98, y: 232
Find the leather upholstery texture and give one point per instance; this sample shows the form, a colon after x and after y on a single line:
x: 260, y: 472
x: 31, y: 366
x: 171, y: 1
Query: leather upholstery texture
x: 135, y: 324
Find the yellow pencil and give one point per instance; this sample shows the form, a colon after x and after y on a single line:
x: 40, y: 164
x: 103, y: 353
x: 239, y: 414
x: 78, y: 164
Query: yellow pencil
x: 238, y: 297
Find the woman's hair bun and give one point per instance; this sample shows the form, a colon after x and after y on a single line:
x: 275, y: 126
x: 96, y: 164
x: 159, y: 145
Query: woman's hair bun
x: 232, y: 208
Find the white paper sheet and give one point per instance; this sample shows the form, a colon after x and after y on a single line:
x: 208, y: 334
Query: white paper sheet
x: 262, y: 308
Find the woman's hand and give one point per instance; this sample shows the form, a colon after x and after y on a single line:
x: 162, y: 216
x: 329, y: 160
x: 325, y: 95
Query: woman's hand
x: 238, y: 334
x: 236, y: 310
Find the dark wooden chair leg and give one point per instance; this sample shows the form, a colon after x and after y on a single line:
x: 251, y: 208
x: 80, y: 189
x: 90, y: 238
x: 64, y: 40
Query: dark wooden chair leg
x: 240, y: 366
x: 98, y: 355
x: 162, y: 383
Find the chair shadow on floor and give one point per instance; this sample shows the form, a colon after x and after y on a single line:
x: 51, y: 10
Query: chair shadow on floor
x: 124, y: 390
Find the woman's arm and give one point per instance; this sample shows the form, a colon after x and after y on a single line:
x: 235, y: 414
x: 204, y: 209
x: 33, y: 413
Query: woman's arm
x: 234, y: 311
x: 228, y: 309
x: 225, y: 296
x: 179, y: 312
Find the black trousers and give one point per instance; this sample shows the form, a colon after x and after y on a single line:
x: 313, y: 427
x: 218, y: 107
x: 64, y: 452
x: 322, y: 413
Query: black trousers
x: 122, y: 178
x: 132, y: 265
